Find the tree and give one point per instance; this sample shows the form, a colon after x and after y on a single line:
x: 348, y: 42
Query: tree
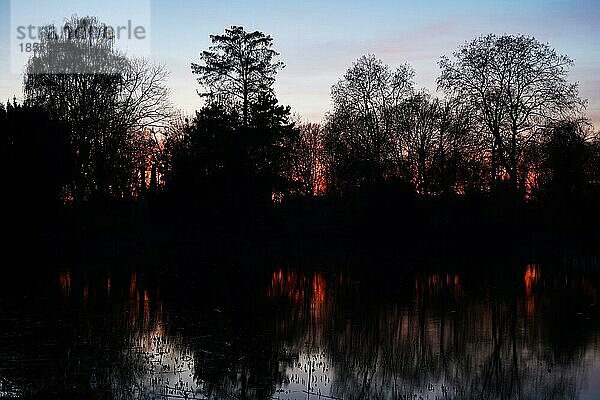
x: 307, y: 168
x: 203, y: 156
x: 269, y: 137
x: 104, y: 97
x: 238, y: 68
x: 458, y: 163
x: 419, y: 135
x: 37, y: 159
x: 566, y: 156
x: 144, y: 101
x: 242, y: 130
x: 516, y: 84
x: 221, y: 160
x: 364, y: 119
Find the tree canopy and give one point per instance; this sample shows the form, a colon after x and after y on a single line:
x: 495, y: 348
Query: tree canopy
x: 517, y: 85
x: 238, y: 69
x: 364, y: 117
x: 104, y: 98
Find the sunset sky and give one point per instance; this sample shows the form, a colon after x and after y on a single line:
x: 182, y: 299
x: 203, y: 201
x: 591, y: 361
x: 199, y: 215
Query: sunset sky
x: 318, y: 40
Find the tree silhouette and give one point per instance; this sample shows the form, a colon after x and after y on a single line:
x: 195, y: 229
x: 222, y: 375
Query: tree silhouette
x: 516, y: 84
x: 236, y: 154
x: 103, y: 96
x: 205, y: 155
x: 235, y: 165
x: 307, y: 168
x: 37, y: 165
x: 567, y: 152
x: 419, y: 131
x: 458, y: 168
x: 238, y: 68
x: 362, y: 125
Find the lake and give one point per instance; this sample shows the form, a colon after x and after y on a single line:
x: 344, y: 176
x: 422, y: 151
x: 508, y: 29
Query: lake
x: 466, y: 330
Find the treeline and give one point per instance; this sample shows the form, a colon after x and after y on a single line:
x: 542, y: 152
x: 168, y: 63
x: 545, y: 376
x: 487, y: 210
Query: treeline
x: 96, y: 127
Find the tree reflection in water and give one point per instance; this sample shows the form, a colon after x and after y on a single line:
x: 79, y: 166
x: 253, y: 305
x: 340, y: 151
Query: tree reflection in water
x: 292, y: 333
x: 495, y: 340
x: 100, y: 336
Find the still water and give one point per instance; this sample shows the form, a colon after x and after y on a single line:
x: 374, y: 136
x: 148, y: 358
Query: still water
x: 523, y: 331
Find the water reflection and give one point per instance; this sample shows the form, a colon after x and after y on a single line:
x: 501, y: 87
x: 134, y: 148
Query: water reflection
x: 440, y: 339
x: 65, y: 283
x: 524, y: 332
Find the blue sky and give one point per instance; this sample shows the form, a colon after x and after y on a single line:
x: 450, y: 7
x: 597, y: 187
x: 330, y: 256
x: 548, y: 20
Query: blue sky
x: 319, y: 40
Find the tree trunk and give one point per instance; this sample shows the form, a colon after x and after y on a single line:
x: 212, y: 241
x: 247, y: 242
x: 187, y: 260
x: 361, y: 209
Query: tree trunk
x: 245, y: 105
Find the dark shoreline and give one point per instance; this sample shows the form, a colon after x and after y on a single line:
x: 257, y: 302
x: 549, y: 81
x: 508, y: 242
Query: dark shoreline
x: 315, y: 229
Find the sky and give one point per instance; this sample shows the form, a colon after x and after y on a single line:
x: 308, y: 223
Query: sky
x: 319, y: 40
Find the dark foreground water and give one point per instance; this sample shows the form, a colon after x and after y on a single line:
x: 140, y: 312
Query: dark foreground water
x: 520, y: 330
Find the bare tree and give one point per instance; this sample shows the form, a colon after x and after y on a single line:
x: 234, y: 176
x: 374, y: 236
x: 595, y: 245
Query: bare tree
x: 419, y: 135
x: 364, y: 118
x: 106, y: 99
x: 144, y: 99
x: 516, y: 84
x: 459, y: 166
x: 307, y: 167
